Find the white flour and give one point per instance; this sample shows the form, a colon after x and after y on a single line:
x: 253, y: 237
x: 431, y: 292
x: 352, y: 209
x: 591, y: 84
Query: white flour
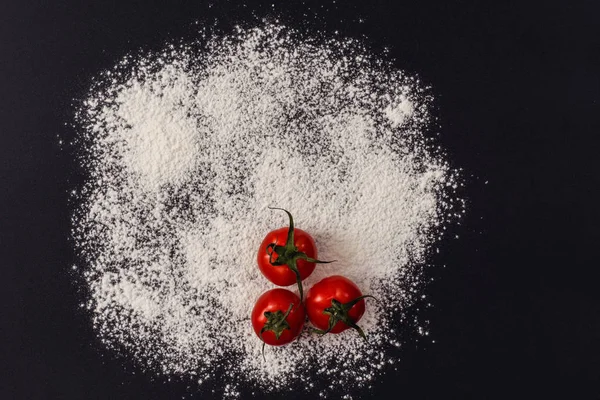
x: 185, y: 150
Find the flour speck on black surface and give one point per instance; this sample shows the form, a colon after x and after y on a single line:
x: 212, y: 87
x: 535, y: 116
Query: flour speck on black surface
x: 185, y: 149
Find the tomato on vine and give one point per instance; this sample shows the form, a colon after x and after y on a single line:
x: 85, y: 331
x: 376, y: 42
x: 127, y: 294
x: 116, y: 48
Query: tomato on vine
x: 288, y: 255
x: 335, y: 304
x: 277, y: 317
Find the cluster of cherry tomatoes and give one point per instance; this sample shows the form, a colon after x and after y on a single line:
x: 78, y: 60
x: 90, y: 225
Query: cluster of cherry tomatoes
x: 334, y: 304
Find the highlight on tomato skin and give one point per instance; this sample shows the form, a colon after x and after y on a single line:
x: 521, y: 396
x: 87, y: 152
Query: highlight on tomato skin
x: 281, y: 275
x: 335, y: 304
x: 278, y: 317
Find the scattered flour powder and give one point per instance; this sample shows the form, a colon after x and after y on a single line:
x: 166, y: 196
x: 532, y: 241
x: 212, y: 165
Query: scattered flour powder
x: 186, y: 148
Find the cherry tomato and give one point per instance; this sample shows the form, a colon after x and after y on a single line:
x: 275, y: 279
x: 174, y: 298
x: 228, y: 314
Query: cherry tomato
x: 278, y: 317
x: 335, y: 304
x: 282, y: 275
x: 287, y: 256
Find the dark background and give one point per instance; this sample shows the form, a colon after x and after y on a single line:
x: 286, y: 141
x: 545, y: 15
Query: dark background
x: 517, y: 85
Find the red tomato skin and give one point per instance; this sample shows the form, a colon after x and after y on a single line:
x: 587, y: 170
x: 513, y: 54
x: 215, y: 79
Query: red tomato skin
x: 319, y: 298
x: 281, y: 275
x: 278, y: 300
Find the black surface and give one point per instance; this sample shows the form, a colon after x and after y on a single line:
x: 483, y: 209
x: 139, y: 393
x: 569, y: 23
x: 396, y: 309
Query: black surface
x: 515, y: 310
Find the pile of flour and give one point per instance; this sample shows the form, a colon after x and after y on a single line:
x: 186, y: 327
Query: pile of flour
x: 186, y: 148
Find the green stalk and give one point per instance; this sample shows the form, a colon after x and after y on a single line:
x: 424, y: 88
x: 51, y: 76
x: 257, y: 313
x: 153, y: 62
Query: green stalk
x: 277, y: 323
x: 339, y: 312
x: 288, y: 254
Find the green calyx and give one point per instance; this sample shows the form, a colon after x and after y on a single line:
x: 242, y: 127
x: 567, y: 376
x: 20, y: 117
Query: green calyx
x: 289, y: 255
x: 339, y: 312
x: 276, y: 323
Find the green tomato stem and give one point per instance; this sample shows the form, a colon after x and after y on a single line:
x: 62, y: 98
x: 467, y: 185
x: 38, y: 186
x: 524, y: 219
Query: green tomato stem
x: 339, y: 312
x: 288, y: 254
x: 277, y: 323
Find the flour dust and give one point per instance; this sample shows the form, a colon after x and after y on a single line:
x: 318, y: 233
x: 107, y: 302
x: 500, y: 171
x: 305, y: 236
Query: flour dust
x: 185, y: 150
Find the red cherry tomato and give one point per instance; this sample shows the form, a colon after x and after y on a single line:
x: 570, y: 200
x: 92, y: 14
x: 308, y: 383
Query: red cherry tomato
x: 287, y: 256
x: 281, y: 275
x: 335, y: 304
x: 278, y: 317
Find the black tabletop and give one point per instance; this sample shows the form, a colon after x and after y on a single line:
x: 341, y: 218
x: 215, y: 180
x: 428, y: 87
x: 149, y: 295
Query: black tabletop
x: 517, y: 91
